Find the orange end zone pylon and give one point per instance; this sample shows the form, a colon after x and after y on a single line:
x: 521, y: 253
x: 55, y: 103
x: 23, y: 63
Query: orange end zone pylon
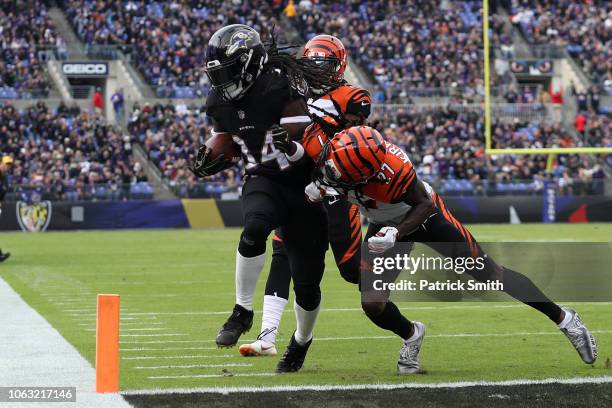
x: 107, y: 344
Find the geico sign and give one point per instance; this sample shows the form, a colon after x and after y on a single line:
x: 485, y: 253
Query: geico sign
x: 85, y: 69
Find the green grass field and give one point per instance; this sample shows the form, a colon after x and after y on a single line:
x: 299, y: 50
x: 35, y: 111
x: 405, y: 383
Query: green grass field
x: 177, y: 287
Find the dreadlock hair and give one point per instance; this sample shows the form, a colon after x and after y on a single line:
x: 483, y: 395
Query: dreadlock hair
x: 303, y: 75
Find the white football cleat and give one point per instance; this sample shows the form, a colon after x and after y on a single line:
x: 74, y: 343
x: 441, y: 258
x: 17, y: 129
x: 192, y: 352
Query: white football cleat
x: 408, y: 362
x: 258, y: 348
x: 580, y: 337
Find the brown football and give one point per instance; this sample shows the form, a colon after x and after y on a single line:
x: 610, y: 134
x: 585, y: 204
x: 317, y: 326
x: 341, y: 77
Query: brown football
x: 222, y: 143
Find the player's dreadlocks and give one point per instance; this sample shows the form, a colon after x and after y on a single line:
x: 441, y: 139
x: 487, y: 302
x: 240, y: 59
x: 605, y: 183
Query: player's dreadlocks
x: 303, y: 74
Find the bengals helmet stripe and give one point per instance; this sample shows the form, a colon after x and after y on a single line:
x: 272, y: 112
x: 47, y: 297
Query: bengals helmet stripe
x: 348, y: 157
x: 364, y: 157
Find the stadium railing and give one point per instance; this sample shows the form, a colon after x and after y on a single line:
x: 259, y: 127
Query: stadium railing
x: 86, y: 192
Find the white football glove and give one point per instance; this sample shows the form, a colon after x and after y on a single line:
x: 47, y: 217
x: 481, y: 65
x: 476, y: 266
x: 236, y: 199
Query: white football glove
x: 314, y: 192
x: 383, y: 240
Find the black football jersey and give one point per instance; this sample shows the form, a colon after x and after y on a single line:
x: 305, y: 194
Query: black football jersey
x: 249, y: 119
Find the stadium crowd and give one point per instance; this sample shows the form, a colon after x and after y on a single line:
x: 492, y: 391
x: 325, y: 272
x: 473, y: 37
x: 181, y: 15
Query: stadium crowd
x: 167, y: 39
x: 583, y: 27
x: 69, y: 155
x: 408, y: 46
x: 170, y: 134
x: 26, y: 31
x: 445, y: 144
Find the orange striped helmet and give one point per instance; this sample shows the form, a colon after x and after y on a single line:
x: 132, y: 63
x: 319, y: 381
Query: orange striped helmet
x: 352, y: 157
x: 329, y: 53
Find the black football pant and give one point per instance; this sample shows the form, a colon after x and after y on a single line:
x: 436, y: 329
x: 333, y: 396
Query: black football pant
x: 268, y: 205
x: 344, y: 223
x: 447, y: 236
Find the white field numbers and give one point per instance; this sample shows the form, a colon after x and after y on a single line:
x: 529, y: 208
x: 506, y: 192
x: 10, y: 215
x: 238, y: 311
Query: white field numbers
x: 269, y: 153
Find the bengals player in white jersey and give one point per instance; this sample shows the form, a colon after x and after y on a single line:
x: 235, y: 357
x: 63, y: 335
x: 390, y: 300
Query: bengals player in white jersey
x: 379, y: 177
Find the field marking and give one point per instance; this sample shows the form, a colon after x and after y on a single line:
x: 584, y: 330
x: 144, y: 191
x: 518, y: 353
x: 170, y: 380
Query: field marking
x: 170, y: 377
x: 194, y: 366
x: 340, y: 338
x: 33, y: 353
x: 377, y: 387
x: 153, y: 335
x: 179, y: 357
x: 138, y: 329
x: 349, y: 309
x: 168, y: 348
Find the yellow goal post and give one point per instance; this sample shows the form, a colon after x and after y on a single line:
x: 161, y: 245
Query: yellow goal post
x: 551, y: 151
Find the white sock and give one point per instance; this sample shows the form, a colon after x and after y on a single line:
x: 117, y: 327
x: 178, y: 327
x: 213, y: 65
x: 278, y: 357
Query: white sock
x: 305, y: 323
x: 273, y: 307
x: 247, y: 274
x: 568, y: 317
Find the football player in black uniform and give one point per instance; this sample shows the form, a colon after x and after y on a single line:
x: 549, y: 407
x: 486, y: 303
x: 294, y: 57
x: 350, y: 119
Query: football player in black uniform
x: 329, y: 109
x: 256, y: 93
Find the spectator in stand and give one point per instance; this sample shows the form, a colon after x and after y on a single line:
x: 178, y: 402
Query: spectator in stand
x: 580, y: 124
x: 98, y: 101
x: 118, y: 102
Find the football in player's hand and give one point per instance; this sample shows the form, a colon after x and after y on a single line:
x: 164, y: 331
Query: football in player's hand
x: 222, y: 143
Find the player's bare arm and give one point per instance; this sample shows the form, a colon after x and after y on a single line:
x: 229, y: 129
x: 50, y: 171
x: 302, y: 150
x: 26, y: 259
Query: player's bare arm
x: 422, y: 205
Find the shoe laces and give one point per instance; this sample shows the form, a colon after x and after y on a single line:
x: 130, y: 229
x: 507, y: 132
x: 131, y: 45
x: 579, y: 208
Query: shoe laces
x: 410, y: 351
x: 234, y: 320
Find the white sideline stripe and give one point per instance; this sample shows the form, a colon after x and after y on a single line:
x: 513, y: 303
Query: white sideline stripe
x: 169, y: 377
x: 193, y: 366
x: 169, y: 357
x: 152, y: 335
x: 122, y: 323
x: 381, y: 386
x: 442, y: 335
x: 35, y: 354
x: 168, y: 348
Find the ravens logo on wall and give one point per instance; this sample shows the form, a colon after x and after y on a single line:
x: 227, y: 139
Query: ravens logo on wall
x: 34, y: 217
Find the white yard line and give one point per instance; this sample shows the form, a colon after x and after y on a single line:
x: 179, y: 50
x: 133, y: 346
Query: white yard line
x: 153, y: 335
x: 177, y: 357
x: 193, y: 366
x: 484, y: 306
x: 350, y: 387
x: 171, y: 377
x: 167, y: 348
x: 35, y: 354
x: 341, y: 338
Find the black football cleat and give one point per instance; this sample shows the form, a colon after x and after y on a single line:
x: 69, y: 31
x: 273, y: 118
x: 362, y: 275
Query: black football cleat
x: 239, y: 322
x: 4, y: 256
x: 294, y: 357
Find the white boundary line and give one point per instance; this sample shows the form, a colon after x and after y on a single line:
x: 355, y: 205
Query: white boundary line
x: 381, y: 386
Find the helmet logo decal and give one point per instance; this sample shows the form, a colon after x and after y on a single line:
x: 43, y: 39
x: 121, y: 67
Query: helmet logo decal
x: 239, y: 40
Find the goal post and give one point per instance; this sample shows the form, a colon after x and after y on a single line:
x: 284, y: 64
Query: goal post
x: 551, y: 151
